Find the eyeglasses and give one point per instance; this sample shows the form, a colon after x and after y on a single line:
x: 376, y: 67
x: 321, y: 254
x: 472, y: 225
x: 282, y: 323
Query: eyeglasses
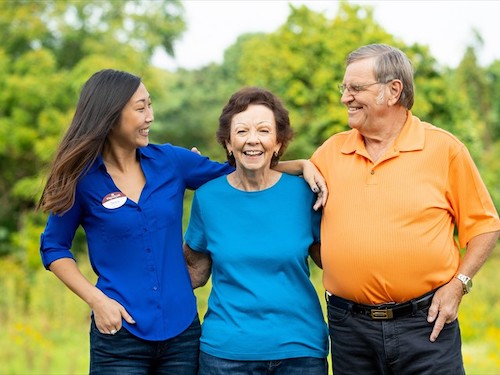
x: 354, y: 89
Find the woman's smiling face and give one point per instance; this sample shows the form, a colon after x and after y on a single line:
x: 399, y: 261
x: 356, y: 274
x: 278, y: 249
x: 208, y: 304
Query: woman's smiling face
x: 253, y: 138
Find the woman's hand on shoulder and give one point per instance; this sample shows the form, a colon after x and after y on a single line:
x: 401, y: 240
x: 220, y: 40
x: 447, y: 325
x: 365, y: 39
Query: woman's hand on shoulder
x: 317, y: 183
x: 311, y: 174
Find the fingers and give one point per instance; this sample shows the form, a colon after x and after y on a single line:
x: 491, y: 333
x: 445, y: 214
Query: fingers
x: 441, y: 312
x: 438, y: 327
x: 109, y: 320
x: 319, y: 187
x: 322, y: 196
x: 127, y: 317
x: 108, y: 329
x: 433, y: 311
x: 117, y: 326
x: 318, y: 204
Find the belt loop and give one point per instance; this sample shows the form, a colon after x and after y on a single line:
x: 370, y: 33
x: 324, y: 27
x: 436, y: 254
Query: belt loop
x: 414, y: 307
x: 349, y: 308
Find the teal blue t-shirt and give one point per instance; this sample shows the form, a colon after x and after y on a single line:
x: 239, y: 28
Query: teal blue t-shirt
x: 262, y: 305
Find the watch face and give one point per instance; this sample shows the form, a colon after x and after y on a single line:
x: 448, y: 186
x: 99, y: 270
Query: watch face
x: 466, y: 282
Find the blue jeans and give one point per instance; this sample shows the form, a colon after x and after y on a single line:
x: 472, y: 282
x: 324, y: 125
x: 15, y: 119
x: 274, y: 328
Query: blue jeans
x: 126, y: 354
x: 361, y: 345
x: 210, y: 365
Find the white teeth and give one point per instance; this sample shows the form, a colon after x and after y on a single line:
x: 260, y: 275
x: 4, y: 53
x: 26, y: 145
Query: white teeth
x: 144, y: 131
x: 252, y: 153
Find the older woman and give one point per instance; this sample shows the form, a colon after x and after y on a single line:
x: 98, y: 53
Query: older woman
x: 253, y: 230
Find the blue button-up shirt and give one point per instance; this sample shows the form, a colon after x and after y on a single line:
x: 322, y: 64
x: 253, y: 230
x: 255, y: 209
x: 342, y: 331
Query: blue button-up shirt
x: 136, y: 248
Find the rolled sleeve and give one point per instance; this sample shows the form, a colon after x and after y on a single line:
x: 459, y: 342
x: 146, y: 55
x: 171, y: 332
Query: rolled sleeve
x: 56, y: 240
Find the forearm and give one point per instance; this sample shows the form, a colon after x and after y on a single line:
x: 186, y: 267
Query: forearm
x: 67, y: 271
x: 478, y: 250
x: 293, y: 167
x: 199, y: 266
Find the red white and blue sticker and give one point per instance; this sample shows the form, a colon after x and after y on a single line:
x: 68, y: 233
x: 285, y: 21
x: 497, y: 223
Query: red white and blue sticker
x: 114, y: 200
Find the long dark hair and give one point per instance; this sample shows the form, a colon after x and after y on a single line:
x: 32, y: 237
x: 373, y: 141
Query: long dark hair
x: 99, y: 108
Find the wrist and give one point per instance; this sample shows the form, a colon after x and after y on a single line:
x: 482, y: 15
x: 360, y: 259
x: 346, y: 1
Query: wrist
x: 466, y: 282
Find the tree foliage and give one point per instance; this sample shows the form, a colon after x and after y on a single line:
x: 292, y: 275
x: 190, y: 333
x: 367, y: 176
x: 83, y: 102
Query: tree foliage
x: 50, y: 48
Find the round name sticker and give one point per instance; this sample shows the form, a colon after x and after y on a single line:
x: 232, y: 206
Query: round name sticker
x: 114, y: 200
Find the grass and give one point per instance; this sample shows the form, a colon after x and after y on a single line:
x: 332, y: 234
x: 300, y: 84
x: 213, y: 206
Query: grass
x: 44, y: 327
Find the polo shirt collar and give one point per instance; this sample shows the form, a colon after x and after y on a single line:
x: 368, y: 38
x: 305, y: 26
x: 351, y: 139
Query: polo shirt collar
x: 411, y: 138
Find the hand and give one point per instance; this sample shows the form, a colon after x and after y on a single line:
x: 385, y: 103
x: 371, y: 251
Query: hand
x: 317, y: 183
x: 444, y: 307
x: 195, y: 150
x: 108, y: 315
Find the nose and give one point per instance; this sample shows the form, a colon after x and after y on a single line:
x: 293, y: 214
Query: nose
x: 253, y: 136
x: 346, y: 97
x: 150, y: 115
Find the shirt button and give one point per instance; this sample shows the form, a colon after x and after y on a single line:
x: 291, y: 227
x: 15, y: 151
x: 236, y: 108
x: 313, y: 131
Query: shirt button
x: 155, y: 288
x: 372, y: 172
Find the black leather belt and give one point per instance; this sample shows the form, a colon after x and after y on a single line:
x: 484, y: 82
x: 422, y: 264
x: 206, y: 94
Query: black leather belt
x: 385, y: 311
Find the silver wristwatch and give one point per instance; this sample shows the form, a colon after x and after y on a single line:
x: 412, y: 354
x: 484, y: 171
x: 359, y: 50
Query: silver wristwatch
x: 466, y: 283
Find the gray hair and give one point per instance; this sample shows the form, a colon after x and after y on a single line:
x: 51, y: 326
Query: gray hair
x: 390, y: 63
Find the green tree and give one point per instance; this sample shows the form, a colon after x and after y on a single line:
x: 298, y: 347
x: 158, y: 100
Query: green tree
x: 493, y: 93
x: 188, y: 116
x: 49, y: 48
x: 304, y: 60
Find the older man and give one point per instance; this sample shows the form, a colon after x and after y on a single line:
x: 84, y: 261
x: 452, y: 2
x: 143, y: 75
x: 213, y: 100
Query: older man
x: 398, y: 188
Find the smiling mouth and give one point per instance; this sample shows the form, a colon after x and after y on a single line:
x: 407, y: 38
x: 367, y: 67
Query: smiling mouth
x: 252, y: 153
x: 353, y: 109
x: 144, y: 132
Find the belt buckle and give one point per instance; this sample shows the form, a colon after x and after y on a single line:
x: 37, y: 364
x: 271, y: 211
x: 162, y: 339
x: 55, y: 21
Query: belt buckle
x: 381, y: 314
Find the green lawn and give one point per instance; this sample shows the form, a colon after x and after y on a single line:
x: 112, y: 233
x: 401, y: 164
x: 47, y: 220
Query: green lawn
x: 44, y: 327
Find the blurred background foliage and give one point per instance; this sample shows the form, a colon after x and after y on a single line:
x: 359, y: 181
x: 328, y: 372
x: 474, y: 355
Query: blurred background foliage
x: 50, y: 48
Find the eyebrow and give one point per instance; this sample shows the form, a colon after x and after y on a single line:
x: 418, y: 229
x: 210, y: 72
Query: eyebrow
x: 143, y: 100
x: 267, y: 122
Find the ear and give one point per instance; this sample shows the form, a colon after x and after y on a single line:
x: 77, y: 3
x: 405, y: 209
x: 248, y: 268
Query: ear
x: 228, y: 147
x: 277, y: 149
x: 395, y: 90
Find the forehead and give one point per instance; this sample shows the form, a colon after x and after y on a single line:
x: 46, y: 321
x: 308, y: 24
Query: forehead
x: 254, y: 114
x: 360, y: 70
x: 140, y: 94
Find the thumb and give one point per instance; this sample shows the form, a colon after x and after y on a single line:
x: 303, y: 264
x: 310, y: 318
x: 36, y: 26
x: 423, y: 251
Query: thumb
x: 128, y: 318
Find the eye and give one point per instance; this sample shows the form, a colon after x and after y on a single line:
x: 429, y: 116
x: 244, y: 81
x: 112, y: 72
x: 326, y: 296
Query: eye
x: 356, y: 88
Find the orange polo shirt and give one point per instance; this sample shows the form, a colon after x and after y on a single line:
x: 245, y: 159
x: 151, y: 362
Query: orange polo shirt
x: 387, y: 228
